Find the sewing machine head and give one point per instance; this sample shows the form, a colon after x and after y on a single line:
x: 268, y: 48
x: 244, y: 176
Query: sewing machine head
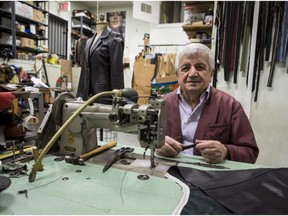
x: 148, y: 120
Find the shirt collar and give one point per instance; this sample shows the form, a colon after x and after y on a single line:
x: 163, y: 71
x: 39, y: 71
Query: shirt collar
x: 203, y: 98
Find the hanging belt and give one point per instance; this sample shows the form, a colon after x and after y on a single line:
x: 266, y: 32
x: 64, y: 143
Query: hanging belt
x: 275, y: 42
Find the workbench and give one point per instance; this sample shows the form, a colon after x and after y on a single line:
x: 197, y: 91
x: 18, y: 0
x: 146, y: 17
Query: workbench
x: 126, y: 188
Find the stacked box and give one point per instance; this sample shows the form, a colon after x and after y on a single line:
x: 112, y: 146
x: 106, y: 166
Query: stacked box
x: 26, y: 42
x: 37, y: 15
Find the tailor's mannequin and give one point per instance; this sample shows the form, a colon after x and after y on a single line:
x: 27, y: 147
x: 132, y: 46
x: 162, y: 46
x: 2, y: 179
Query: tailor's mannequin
x: 102, y: 68
x: 100, y: 27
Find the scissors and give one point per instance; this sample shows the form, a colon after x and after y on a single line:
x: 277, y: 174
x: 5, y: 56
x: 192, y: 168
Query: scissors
x: 117, y: 154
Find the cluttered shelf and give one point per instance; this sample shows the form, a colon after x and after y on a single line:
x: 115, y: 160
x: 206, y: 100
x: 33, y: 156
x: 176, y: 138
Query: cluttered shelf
x: 25, y: 48
x: 24, y: 26
x: 198, y: 18
x: 22, y: 34
x: 200, y: 27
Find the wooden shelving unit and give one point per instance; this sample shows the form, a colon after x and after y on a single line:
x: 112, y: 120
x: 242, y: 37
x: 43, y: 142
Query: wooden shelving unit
x: 198, y: 27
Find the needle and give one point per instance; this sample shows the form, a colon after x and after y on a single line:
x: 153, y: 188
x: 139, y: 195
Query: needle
x: 188, y: 146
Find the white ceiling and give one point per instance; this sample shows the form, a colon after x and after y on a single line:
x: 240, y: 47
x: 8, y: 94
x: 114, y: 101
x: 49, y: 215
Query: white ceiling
x: 93, y: 4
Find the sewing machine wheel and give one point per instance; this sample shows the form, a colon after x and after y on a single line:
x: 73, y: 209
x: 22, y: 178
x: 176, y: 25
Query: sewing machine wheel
x: 57, y: 106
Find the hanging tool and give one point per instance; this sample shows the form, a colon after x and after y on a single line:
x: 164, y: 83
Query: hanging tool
x: 277, y: 13
x: 118, y: 153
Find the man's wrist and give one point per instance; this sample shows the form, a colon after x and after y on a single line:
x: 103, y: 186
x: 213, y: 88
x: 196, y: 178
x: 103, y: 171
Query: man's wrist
x: 228, y: 154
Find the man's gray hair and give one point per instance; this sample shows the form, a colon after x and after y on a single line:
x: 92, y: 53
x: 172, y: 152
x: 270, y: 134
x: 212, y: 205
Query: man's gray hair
x: 193, y: 49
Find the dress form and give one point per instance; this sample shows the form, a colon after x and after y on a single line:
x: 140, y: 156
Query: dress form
x: 100, y: 27
x: 102, y: 68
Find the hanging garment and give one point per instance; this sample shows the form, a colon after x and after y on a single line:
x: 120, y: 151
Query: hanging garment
x: 102, y: 69
x: 80, y: 47
x: 253, y: 191
x: 143, y: 73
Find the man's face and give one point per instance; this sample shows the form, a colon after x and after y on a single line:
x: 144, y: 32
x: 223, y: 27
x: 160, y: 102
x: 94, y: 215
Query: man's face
x: 194, y: 74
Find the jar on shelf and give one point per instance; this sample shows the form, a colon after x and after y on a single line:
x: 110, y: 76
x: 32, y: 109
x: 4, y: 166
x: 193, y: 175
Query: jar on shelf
x: 188, y: 13
x: 208, y: 20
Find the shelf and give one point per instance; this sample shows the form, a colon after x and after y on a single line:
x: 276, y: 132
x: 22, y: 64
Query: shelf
x: 84, y: 19
x: 189, y: 27
x: 35, y: 7
x: 199, y: 9
x: 81, y: 26
x: 29, y: 35
x: 27, y: 49
x: 191, y: 30
x: 200, y: 6
x: 22, y: 34
x: 86, y: 32
x: 38, y: 8
x: 5, y: 29
x: 20, y: 18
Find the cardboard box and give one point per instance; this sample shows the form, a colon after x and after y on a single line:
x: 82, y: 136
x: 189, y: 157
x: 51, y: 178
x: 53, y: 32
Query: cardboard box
x: 19, y: 8
x: 171, y: 78
x: 28, y: 11
x: 37, y: 15
x: 26, y: 42
x: 66, y: 67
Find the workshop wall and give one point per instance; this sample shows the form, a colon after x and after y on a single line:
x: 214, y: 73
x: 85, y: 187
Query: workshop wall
x: 267, y: 115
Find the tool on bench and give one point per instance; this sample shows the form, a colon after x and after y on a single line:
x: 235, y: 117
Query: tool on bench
x: 118, y: 153
x: 74, y: 160
x: 80, y: 160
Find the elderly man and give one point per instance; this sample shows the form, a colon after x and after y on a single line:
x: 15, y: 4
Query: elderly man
x: 205, y: 116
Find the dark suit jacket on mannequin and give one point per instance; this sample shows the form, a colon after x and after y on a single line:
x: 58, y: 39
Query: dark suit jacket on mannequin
x: 102, y: 65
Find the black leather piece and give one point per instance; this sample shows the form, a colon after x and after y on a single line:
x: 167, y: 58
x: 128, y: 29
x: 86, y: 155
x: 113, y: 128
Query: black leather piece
x: 254, y: 191
x: 199, y: 203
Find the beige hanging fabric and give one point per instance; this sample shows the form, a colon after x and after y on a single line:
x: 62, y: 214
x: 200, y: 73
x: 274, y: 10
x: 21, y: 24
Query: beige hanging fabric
x: 166, y: 65
x: 143, y: 73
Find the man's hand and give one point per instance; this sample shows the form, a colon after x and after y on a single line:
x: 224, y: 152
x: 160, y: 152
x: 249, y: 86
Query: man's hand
x: 171, y: 148
x: 213, y: 151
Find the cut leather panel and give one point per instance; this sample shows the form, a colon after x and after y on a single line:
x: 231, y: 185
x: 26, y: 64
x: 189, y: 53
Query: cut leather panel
x: 252, y: 191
